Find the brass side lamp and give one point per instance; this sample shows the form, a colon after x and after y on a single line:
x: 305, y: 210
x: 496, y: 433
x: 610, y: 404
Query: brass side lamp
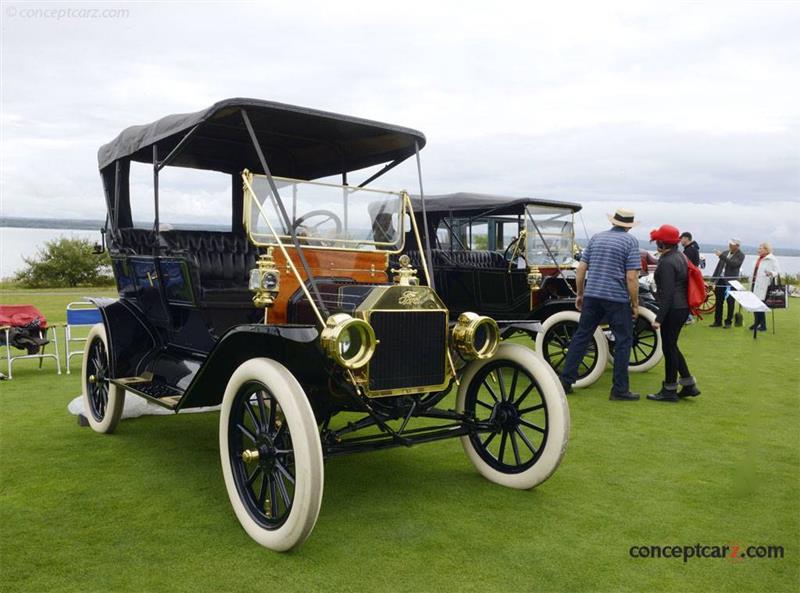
x: 265, y: 281
x: 534, y: 278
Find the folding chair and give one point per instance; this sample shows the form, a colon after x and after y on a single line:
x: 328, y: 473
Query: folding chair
x: 79, y: 314
x: 24, y: 327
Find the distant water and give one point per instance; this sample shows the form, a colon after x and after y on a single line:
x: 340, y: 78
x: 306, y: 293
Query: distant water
x: 16, y: 243
x: 788, y: 264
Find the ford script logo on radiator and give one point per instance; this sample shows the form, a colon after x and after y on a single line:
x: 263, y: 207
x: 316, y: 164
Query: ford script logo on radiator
x: 409, y: 298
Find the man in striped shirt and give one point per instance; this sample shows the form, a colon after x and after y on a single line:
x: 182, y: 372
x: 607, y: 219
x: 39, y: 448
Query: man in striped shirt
x: 608, y: 290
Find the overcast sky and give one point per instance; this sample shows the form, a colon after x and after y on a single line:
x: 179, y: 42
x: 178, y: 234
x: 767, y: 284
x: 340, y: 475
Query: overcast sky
x: 687, y: 113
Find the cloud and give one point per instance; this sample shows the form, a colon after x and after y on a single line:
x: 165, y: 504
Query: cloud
x: 691, y: 107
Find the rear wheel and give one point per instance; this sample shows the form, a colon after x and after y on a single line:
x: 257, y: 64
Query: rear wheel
x: 646, y: 349
x: 520, y: 407
x: 102, y: 400
x: 554, y: 340
x: 271, y: 454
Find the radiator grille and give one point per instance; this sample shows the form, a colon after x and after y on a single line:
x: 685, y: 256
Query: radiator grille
x: 411, y: 352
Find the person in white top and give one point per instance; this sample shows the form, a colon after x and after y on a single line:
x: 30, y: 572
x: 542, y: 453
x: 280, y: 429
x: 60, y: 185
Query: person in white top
x: 766, y: 269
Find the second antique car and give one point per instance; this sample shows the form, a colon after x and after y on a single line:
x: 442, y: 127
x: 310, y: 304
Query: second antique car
x: 515, y: 260
x: 283, y: 311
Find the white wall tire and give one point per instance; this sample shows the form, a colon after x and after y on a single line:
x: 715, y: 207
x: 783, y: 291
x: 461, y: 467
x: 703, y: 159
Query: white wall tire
x: 553, y: 340
x: 646, y: 351
x: 102, y: 400
x: 280, y: 419
x: 547, y: 409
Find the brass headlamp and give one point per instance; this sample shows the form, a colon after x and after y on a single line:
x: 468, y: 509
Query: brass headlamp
x: 349, y: 341
x: 476, y: 336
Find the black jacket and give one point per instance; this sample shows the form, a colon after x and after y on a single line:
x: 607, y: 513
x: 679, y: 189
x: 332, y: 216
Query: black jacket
x: 672, y: 282
x: 728, y: 266
x: 692, y: 251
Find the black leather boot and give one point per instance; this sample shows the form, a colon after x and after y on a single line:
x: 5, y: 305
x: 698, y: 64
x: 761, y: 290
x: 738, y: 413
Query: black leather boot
x: 689, y: 391
x: 668, y: 393
x: 688, y: 387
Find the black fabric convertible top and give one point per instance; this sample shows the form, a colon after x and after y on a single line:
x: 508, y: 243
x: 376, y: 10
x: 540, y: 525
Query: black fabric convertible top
x: 469, y: 204
x: 297, y: 142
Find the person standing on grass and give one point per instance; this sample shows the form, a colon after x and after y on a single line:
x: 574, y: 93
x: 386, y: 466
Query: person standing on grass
x: 730, y: 262
x: 607, y: 283
x: 766, y: 269
x: 672, y: 280
x: 692, y: 252
x: 690, y: 248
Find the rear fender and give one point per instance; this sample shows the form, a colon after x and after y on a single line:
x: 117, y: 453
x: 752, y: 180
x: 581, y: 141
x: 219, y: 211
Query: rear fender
x: 552, y: 307
x: 131, y: 339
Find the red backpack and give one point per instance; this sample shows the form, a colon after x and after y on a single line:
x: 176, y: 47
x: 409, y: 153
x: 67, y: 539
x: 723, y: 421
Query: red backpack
x: 696, y: 287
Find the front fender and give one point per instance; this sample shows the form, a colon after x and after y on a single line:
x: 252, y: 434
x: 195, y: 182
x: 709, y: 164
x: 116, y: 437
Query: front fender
x: 294, y: 346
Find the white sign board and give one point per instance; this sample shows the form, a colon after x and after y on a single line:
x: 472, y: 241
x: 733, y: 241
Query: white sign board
x: 736, y: 285
x: 749, y: 301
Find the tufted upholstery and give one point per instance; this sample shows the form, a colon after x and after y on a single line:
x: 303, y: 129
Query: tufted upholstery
x: 481, y: 259
x: 223, y: 260
x: 219, y: 262
x: 136, y: 241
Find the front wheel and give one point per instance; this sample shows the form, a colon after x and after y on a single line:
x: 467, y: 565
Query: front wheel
x: 271, y: 454
x: 554, y: 340
x: 521, y: 415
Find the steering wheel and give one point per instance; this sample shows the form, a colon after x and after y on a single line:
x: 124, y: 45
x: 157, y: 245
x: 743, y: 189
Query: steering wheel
x: 326, y: 216
x: 511, y: 249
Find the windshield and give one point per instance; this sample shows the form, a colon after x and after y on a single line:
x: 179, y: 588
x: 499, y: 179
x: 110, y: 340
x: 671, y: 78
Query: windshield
x: 325, y: 215
x: 555, y: 234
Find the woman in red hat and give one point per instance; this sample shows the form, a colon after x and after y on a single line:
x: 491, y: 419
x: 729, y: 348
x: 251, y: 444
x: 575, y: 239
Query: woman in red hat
x: 672, y: 277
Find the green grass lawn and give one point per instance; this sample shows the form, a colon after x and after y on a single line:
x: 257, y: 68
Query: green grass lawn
x: 145, y: 509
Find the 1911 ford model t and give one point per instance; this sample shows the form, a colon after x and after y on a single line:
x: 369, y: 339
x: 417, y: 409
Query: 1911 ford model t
x: 290, y: 321
x: 515, y: 259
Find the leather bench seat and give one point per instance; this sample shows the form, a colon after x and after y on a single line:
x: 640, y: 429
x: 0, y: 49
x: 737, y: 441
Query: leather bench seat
x: 222, y: 262
x: 219, y: 262
x: 480, y: 259
x: 134, y: 241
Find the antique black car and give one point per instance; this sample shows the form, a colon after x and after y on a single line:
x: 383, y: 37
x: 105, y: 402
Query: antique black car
x: 515, y: 259
x: 284, y: 313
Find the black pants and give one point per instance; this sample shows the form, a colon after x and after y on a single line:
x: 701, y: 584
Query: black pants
x: 760, y: 319
x: 720, y: 294
x: 674, y: 362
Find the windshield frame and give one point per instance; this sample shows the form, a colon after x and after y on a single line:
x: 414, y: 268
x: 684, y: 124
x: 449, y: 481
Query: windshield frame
x: 536, y: 234
x: 252, y: 213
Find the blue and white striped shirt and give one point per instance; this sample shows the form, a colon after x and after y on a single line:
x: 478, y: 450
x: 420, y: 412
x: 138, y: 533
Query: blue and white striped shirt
x: 610, y: 255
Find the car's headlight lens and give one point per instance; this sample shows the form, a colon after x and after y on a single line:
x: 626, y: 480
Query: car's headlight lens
x: 476, y: 336
x: 350, y: 342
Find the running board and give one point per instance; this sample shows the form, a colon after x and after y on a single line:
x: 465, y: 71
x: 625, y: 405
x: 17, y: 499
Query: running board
x: 154, y: 391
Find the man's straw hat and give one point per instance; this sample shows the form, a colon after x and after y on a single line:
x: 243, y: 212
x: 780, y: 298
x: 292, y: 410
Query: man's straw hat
x: 623, y: 217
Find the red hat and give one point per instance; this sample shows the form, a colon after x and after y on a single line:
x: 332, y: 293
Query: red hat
x: 666, y: 233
